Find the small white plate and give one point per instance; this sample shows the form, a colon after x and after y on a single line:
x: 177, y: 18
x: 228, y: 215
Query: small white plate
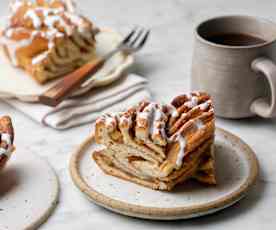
x: 15, y: 83
x: 237, y: 169
x: 29, y: 192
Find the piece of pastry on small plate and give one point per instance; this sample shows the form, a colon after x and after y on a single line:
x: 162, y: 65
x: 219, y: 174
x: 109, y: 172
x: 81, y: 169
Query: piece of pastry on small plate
x: 159, y: 146
x: 48, y: 39
x: 6, y: 140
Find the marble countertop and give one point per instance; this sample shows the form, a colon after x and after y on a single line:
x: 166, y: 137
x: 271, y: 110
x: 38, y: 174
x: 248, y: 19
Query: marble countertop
x: 166, y: 63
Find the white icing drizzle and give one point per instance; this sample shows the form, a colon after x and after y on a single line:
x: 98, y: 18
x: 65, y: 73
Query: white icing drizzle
x: 146, y: 114
x: 52, y: 17
x: 2, y: 150
x: 154, y: 115
x: 181, y: 153
x: 177, y: 137
x: 15, y: 5
x: 51, y: 35
x: 199, y: 124
x: 6, y: 137
x: 158, y: 123
x: 47, y: 11
x: 192, y: 103
x: 156, y: 119
x: 34, y: 17
x: 204, y: 105
x: 79, y: 22
x: 9, y: 32
x: 39, y: 58
x: 52, y: 20
x: 143, y: 115
x: 6, y: 152
x: 182, y: 142
x: 13, y: 46
x: 175, y: 113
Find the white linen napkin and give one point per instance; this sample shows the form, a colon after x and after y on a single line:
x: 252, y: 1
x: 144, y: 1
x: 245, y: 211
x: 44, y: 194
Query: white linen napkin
x: 85, y: 109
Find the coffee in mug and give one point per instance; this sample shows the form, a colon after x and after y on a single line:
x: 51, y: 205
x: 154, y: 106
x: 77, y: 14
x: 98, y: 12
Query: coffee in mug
x: 234, y: 61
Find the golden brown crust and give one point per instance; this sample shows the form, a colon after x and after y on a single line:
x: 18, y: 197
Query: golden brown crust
x: 190, y: 170
x: 154, y: 142
x: 46, y: 39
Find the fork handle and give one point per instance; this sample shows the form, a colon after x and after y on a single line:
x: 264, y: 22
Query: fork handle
x: 60, y: 91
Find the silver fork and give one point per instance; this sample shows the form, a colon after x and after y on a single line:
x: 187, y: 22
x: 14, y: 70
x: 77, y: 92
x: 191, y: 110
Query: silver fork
x: 132, y: 43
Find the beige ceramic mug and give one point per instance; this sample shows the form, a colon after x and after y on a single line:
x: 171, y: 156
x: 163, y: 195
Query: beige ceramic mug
x: 240, y: 78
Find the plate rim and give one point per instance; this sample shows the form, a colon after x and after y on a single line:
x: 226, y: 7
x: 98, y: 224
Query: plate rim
x: 44, y: 217
x: 164, y: 213
x: 115, y: 75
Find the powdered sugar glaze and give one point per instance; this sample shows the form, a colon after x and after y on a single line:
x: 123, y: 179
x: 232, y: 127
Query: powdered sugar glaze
x: 42, y: 17
x: 154, y: 119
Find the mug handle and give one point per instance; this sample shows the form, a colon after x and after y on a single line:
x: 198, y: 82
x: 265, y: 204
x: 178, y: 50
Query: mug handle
x: 261, y: 106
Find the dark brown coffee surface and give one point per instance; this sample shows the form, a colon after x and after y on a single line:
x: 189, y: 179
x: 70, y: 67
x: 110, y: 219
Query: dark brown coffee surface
x: 235, y: 39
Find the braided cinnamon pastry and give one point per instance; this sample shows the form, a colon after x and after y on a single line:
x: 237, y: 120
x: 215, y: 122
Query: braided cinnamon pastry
x: 159, y: 146
x: 47, y: 38
x: 6, y: 140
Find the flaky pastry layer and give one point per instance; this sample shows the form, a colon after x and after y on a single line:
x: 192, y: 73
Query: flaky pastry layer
x: 48, y: 39
x: 154, y: 143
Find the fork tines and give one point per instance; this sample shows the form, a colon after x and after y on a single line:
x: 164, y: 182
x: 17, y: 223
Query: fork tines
x: 136, y: 39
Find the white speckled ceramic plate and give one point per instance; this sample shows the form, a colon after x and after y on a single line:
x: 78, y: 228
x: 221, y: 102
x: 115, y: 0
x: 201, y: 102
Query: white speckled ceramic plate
x: 15, y: 83
x: 29, y: 192
x: 237, y: 169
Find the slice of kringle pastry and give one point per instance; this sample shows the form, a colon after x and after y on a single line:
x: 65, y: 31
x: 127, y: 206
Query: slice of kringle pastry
x: 6, y: 140
x: 159, y: 146
x: 48, y: 39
